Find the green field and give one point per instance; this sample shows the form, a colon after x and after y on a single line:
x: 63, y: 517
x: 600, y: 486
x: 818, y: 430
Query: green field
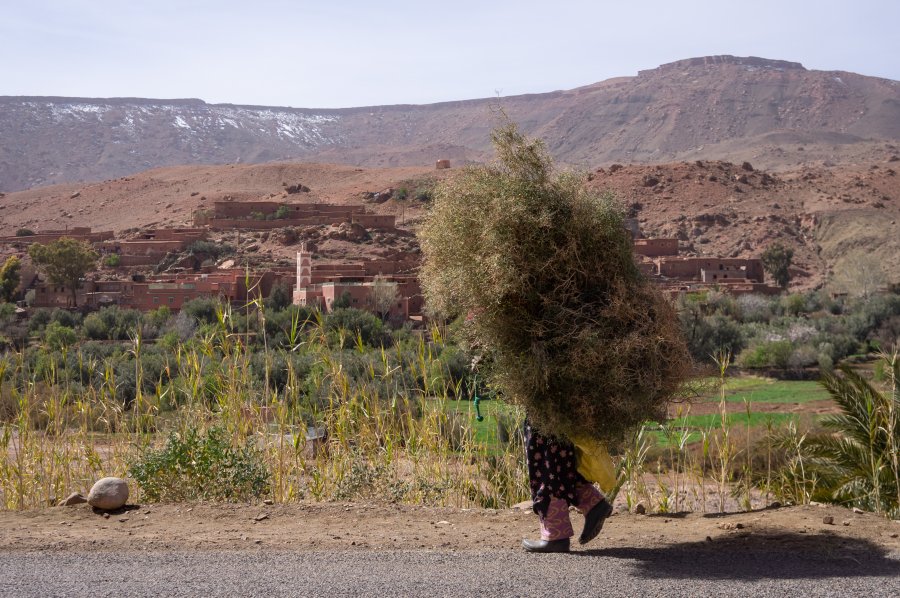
x: 766, y: 390
x: 485, y: 431
x: 737, y: 391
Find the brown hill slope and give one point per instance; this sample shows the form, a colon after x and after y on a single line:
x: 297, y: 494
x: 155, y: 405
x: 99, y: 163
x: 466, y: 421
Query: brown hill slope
x: 827, y: 214
x: 716, y: 107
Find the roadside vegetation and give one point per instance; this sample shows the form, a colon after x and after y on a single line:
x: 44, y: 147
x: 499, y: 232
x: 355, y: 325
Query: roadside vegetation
x: 280, y: 402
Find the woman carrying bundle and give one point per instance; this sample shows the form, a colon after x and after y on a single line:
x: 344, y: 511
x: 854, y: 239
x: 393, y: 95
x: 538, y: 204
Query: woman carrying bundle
x: 567, y: 326
x: 556, y: 485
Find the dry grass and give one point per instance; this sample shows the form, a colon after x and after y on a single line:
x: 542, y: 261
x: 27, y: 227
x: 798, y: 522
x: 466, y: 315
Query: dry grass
x: 543, y: 270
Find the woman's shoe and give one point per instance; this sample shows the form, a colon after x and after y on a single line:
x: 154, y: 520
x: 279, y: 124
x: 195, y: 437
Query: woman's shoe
x: 593, y: 521
x: 546, y: 545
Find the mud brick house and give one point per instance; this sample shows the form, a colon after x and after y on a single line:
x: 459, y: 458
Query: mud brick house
x: 151, y: 246
x: 655, y: 247
x: 659, y: 259
x: 234, y: 286
x: 265, y: 215
x: 81, y: 233
x: 710, y: 270
x: 370, y: 285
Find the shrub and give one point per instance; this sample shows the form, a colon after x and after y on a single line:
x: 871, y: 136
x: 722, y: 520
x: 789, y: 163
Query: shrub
x: 24, y: 232
x: 357, y: 323
x: 209, y: 248
x: 112, y: 323
x: 112, y: 260
x: 58, y: 336
x: 793, y: 304
x: 401, y: 193
x: 774, y: 354
x: 856, y: 463
x: 711, y: 335
x: 198, y: 466
x: 282, y: 212
x: 280, y: 297
x: 203, y: 310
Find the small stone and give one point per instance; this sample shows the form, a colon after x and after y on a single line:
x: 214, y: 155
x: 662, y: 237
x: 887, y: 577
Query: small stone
x: 73, y: 499
x: 708, y: 539
x: 261, y: 517
x: 828, y: 520
x: 846, y: 522
x: 443, y: 523
x: 640, y: 509
x: 106, y: 515
x: 775, y: 505
x: 525, y: 505
x: 257, y: 541
x: 894, y: 535
x: 123, y: 519
x: 268, y: 501
x: 739, y: 525
x: 108, y: 494
x: 858, y: 511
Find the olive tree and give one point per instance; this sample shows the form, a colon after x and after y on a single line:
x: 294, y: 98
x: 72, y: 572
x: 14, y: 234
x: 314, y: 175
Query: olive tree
x: 64, y: 262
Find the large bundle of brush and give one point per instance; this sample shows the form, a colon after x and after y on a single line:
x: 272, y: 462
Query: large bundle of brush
x: 543, y: 270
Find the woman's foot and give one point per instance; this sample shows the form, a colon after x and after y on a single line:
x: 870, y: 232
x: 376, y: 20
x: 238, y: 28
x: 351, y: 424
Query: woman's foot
x: 593, y: 521
x: 546, y: 545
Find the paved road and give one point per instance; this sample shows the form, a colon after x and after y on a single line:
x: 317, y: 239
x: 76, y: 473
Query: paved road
x: 259, y: 571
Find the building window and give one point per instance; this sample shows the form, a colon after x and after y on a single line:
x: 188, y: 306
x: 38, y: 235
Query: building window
x: 156, y: 300
x: 171, y: 299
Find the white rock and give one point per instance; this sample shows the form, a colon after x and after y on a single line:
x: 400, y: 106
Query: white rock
x: 108, y: 494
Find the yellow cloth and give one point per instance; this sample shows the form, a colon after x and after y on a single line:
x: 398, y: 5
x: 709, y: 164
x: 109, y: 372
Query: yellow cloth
x: 595, y: 464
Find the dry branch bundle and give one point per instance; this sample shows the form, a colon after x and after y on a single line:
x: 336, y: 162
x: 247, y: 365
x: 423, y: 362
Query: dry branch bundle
x: 543, y: 267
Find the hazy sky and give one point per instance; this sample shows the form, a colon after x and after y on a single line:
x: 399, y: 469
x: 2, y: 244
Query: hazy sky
x: 342, y: 53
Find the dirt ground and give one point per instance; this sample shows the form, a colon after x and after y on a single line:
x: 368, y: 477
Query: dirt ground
x: 373, y: 526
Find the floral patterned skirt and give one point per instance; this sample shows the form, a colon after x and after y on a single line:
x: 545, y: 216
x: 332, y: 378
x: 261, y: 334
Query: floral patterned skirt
x: 552, y: 470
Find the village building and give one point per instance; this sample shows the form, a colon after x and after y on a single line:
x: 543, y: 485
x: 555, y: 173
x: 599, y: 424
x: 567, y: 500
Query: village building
x: 235, y: 286
x: 266, y: 215
x: 389, y: 288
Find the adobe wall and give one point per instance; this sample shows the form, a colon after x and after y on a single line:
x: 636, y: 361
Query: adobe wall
x: 379, y: 221
x: 79, y: 233
x: 656, y: 247
x: 691, y: 268
x: 184, y: 235
x: 133, y: 261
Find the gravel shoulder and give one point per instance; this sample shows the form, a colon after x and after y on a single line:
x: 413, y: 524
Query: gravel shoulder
x: 378, y: 526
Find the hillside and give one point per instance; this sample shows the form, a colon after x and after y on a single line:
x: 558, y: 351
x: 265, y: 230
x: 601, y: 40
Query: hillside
x: 828, y: 214
x: 776, y: 114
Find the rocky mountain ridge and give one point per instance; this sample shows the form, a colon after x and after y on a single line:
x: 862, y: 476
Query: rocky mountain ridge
x: 775, y: 113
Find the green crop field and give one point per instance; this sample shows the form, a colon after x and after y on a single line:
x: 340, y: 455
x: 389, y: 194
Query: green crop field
x: 765, y: 390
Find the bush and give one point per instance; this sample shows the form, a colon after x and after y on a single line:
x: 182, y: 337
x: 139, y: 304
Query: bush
x: 712, y: 335
x: 209, y: 249
x: 196, y: 466
x: 58, y: 336
x: 112, y: 260
x: 112, y: 323
x: 775, y: 354
x: 24, y: 232
x: 204, y: 310
x: 282, y: 212
x: 356, y: 322
x: 855, y: 462
x: 280, y: 297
